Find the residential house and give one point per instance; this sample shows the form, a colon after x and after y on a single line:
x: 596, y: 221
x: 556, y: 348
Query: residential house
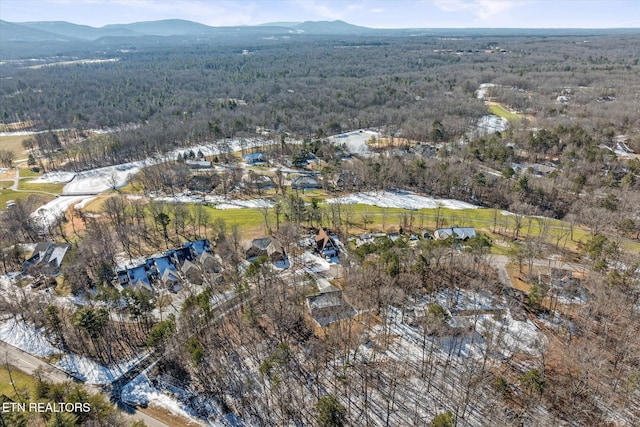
x: 329, y: 307
x: 326, y: 245
x: 46, y: 259
x: 264, y: 246
x: 164, y: 269
x: 304, y: 182
x: 138, y: 279
x: 192, y: 273
x: 167, y: 271
x: 198, y: 164
x: 255, y: 158
x: 210, y: 263
x: 458, y: 233
x: 198, y: 247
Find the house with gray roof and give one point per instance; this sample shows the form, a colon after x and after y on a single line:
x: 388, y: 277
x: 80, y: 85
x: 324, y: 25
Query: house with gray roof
x: 46, y: 259
x: 264, y: 246
x: 328, y: 307
x: 458, y: 233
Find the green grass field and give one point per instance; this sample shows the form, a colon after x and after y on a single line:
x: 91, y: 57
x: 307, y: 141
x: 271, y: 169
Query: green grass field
x: 24, y: 383
x: 49, y: 188
x: 500, y: 111
x: 28, y: 173
x: 6, y: 195
x: 5, y: 184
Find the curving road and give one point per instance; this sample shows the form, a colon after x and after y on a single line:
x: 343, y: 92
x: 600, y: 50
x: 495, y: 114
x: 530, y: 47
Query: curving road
x: 29, y: 364
x: 500, y: 262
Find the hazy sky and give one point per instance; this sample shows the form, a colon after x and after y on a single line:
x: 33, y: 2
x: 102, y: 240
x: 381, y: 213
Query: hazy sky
x: 370, y: 13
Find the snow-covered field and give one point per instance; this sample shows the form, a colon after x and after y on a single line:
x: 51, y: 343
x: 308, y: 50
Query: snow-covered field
x: 400, y: 199
x: 355, y: 141
x: 491, y: 124
x: 46, y: 214
x: 96, y: 181
x: 218, y: 202
x: 26, y: 337
x: 55, y: 178
x: 238, y: 204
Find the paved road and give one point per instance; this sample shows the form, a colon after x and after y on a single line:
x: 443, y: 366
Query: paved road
x: 500, y: 262
x: 16, y: 183
x: 16, y: 179
x: 28, y: 363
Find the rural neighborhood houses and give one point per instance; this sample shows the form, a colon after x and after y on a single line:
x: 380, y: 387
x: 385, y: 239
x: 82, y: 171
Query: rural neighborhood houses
x: 190, y: 260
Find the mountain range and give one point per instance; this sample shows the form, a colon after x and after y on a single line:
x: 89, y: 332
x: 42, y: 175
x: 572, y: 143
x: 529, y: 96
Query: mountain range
x: 27, y: 39
x: 61, y: 30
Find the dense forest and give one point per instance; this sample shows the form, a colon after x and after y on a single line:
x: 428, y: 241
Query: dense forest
x: 242, y: 342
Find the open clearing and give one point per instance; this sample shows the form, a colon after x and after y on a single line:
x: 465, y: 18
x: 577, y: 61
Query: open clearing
x: 13, y: 143
x: 40, y: 186
x: 500, y: 111
x: 6, y: 195
x: 21, y: 381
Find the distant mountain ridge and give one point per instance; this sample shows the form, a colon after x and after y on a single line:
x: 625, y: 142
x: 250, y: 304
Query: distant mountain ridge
x: 62, y: 30
x: 35, y: 39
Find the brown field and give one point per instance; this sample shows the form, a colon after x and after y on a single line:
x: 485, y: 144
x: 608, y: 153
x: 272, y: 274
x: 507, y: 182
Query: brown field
x: 13, y: 143
x: 516, y: 277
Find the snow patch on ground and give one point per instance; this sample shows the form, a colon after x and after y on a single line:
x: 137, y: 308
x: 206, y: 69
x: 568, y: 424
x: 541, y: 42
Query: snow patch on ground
x: 92, y: 372
x: 54, y: 178
x: 140, y: 391
x: 400, y: 199
x: 47, y: 214
x: 96, y: 181
x: 238, y: 204
x: 484, y: 88
x: 30, y: 339
x: 83, y: 203
x: 356, y: 141
x: 26, y: 337
x: 492, y: 327
x: 491, y: 124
